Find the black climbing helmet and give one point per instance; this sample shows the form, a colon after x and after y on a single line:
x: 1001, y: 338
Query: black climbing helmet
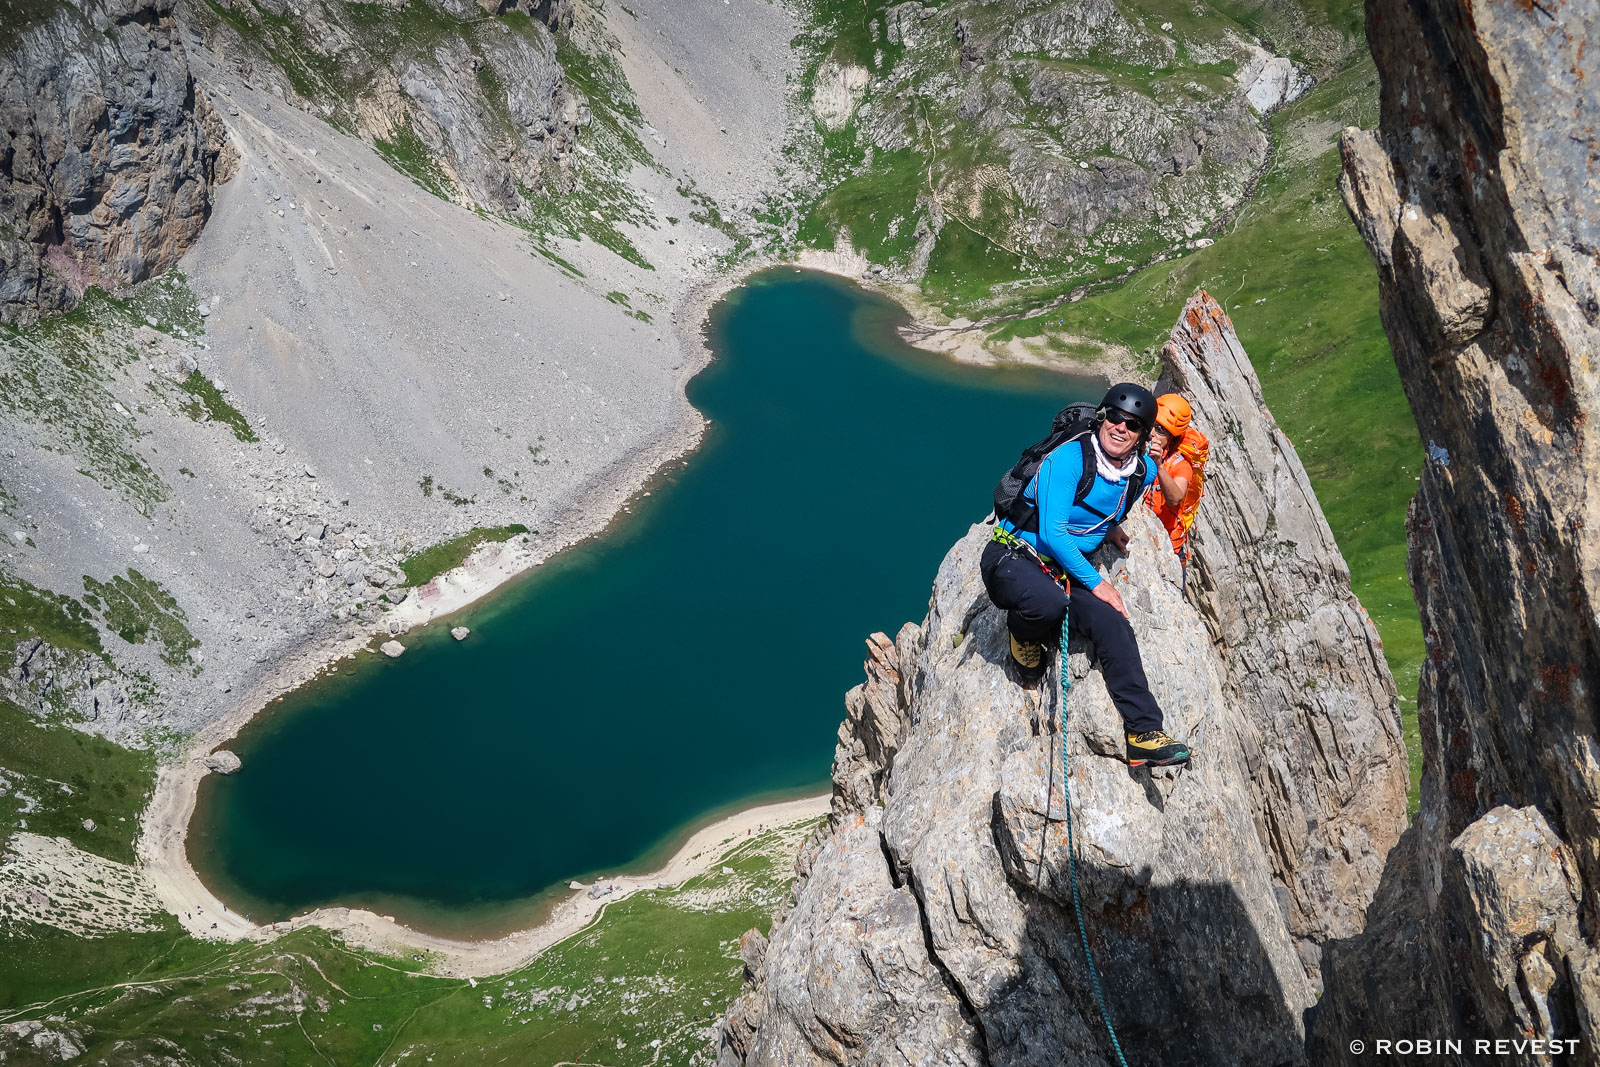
x: 1130, y: 399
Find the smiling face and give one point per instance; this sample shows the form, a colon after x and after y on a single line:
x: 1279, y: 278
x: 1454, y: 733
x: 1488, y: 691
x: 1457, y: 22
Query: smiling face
x: 1117, y: 439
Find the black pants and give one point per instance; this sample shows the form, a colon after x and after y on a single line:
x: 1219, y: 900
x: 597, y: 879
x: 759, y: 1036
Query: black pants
x: 1035, y: 606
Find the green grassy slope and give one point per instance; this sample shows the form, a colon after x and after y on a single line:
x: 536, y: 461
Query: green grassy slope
x: 982, y: 260
x: 54, y: 778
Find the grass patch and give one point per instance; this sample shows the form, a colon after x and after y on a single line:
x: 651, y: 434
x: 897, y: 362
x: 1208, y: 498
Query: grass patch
x: 55, y: 384
x: 136, y: 608
x: 878, y: 206
x: 855, y: 32
x: 424, y: 566
x: 17, y: 17
x: 28, y: 611
x: 55, y: 777
x: 600, y: 199
x: 408, y: 154
x: 166, y: 303
x: 209, y: 401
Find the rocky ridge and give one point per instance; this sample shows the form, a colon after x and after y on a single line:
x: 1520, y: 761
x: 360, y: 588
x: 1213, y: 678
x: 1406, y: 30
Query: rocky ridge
x: 1327, y: 777
x: 932, y: 919
x: 1476, y: 199
x: 110, y: 157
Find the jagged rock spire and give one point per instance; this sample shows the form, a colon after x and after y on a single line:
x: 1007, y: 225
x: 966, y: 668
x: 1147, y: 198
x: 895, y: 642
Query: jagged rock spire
x: 933, y: 921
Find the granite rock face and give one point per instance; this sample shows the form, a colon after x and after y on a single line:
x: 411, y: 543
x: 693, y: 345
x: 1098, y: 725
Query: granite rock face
x: 108, y: 156
x: 1476, y: 197
x: 933, y: 923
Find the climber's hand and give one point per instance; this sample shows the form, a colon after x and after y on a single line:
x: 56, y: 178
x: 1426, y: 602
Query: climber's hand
x: 1110, y: 596
x: 1118, y: 539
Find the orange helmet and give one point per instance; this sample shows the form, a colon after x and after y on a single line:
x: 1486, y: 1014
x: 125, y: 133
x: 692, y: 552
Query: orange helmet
x: 1173, y: 413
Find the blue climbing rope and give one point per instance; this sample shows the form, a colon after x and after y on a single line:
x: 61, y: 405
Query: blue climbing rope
x: 1072, y: 858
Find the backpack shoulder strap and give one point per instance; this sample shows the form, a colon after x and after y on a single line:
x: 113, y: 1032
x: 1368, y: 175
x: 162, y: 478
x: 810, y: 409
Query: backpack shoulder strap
x: 1085, y: 479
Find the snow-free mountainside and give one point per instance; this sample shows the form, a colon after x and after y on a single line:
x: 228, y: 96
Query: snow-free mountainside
x: 320, y: 318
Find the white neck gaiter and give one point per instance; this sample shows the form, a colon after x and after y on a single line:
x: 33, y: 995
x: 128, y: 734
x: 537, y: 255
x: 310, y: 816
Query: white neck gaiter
x: 1113, y: 472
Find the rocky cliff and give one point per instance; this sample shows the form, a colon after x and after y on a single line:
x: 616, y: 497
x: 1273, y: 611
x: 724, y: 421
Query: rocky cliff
x: 108, y: 156
x: 1476, y: 196
x: 932, y: 921
x: 475, y: 108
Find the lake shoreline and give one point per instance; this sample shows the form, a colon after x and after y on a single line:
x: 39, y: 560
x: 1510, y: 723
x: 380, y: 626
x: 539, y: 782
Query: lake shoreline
x: 570, y: 915
x: 958, y: 339
x: 162, y: 847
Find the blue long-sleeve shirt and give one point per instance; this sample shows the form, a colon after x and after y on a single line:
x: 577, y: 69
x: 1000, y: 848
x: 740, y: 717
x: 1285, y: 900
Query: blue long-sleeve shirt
x: 1068, y: 533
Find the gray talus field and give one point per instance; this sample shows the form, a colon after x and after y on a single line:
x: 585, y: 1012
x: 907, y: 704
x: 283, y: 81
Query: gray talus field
x: 366, y: 353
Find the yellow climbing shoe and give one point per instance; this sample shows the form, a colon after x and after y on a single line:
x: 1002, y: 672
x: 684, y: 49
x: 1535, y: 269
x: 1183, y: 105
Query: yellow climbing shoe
x: 1155, y: 748
x: 1028, y: 658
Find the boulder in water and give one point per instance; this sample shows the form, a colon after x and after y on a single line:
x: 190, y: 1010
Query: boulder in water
x: 221, y: 761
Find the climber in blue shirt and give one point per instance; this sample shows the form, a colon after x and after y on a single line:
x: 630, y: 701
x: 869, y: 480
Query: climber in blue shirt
x: 1039, y: 572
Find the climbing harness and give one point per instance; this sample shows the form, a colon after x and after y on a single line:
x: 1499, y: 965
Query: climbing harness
x: 1022, y: 547
x: 1072, y: 854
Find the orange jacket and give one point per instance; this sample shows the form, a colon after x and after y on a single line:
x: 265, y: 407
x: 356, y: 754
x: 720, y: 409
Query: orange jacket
x: 1177, y: 518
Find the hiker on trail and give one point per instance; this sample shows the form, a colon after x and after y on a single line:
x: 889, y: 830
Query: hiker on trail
x: 1066, y: 496
x: 1180, y: 452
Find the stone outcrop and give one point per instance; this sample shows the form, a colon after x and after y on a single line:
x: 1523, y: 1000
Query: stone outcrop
x: 1476, y: 196
x: 49, y: 681
x: 222, y: 761
x: 108, y: 156
x: 933, y: 922
x: 478, y: 109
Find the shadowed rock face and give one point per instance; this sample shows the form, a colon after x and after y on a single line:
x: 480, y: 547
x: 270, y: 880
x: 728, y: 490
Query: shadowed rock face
x: 1477, y: 198
x: 107, y: 156
x: 933, y: 919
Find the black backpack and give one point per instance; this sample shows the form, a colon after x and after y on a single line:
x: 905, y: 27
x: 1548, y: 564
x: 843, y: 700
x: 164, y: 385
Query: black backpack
x: 1075, y: 421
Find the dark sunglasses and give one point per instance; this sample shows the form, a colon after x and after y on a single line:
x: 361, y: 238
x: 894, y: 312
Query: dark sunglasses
x: 1132, y: 422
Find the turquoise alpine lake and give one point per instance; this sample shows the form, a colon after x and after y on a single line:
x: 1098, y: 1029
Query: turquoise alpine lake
x: 690, y: 661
